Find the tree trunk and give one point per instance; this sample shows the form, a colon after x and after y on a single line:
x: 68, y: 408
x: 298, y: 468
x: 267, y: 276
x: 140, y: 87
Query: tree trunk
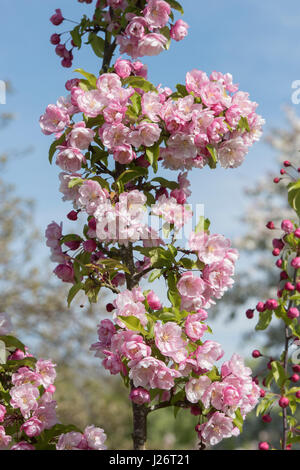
x: 139, y: 435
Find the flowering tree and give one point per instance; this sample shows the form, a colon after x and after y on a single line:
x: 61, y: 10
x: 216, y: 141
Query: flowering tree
x: 111, y: 134
x: 280, y: 375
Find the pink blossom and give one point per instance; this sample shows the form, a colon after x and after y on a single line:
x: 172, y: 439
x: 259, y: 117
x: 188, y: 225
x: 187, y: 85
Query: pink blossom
x: 195, y: 388
x: 123, y: 68
x: 130, y: 303
x: 157, y: 13
x: 113, y: 363
x: 53, y: 234
x: 69, y: 159
x: 195, y: 80
x: 69, y: 194
x: 193, y: 326
x: 169, y: 341
x: 91, y: 195
x: 2, y: 413
x: 152, y: 44
x: 136, y: 28
x: 208, y: 354
x: 113, y: 135
x: 124, y: 154
x: 236, y: 367
x: 46, y: 369
x: 4, y: 439
x: 151, y: 105
x: 145, y: 134
x: 153, y: 301
x: 182, y: 145
x: 140, y: 69
x: 95, y: 438
x: 24, y: 397
x: 24, y: 375
x: 80, y: 137
x: 69, y: 441
x: 65, y: 272
x: 114, y: 113
x: 22, y: 445
x: 91, y: 102
x: 218, y: 277
x: 32, y: 427
x: 106, y: 329
x: 54, y: 120
x: 216, y: 428
x: 190, y: 286
x: 210, y: 248
x: 171, y: 211
x: 152, y: 373
x: 139, y: 396
x: 179, y: 30
x: 135, y: 351
x: 231, y: 153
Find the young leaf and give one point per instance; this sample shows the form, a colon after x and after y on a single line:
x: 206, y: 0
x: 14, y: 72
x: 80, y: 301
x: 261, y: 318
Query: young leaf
x: 139, y: 82
x: 89, y: 76
x: 73, y: 291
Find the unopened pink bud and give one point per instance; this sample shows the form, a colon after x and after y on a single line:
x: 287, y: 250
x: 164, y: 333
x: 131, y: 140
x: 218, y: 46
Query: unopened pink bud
x: 287, y: 226
x: 296, y: 262
x: 90, y: 246
x: 139, y: 396
x: 153, y: 301
x: 293, y: 312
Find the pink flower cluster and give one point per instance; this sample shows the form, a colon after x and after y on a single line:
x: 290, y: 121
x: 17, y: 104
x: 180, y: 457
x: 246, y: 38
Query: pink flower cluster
x: 138, y: 32
x: 31, y: 408
x: 218, y: 268
x: 144, y: 36
x: 92, y: 438
x: 213, y: 121
x: 236, y: 390
x: 171, y: 355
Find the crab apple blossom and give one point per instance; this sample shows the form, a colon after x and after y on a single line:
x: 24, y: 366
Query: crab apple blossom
x: 139, y: 396
x: 112, y: 132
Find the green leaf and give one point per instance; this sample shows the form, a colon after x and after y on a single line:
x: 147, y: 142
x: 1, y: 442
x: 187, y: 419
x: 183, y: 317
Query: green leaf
x: 243, y: 124
x: 156, y: 273
x: 238, y: 420
x: 214, y: 156
x: 294, y: 196
x: 133, y: 323
x: 72, y: 237
x: 165, y: 183
x: 152, y: 154
x: 265, y: 319
x: 97, y: 44
x: 76, y: 37
x: 26, y: 362
x: 165, y: 31
x: 174, y: 4
x: 202, y: 225
x: 53, y: 146
x: 92, y: 80
x: 139, y: 82
x: 132, y: 174
x: 75, y: 182
x: 173, y: 294
x: 73, y: 291
x: 136, y: 103
x: 12, y: 342
x: 182, y: 90
x: 278, y: 373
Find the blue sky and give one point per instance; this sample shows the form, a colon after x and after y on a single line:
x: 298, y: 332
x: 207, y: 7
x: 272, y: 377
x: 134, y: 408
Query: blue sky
x: 257, y: 41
